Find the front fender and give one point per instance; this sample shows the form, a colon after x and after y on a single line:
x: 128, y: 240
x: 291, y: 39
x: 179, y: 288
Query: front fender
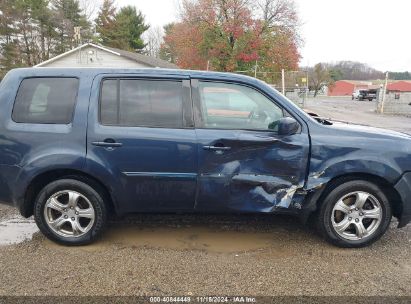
x: 322, y: 174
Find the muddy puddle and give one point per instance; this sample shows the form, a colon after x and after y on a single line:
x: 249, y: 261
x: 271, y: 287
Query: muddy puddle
x: 16, y: 230
x: 201, y: 237
x: 190, y: 238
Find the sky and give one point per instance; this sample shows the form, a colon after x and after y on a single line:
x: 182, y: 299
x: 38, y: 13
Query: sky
x: 375, y: 32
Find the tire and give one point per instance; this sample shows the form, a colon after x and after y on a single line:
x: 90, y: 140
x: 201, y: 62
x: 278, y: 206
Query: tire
x: 363, y: 226
x: 70, y: 212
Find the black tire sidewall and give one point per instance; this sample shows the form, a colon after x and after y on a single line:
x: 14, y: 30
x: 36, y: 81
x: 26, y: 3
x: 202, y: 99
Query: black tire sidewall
x: 92, y: 195
x: 325, y: 224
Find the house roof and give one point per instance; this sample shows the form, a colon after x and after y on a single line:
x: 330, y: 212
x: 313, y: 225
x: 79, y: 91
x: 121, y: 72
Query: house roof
x: 151, y: 61
x: 357, y: 82
x: 147, y: 60
x: 400, y: 86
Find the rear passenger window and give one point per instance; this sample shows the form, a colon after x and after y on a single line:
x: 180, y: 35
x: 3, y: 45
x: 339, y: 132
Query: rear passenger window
x: 142, y: 103
x: 46, y: 100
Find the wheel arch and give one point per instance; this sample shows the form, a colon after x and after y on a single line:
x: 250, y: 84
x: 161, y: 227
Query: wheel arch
x: 41, y: 180
x: 316, y: 197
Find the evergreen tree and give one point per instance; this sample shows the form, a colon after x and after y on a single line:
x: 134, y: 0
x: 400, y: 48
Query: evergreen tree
x: 32, y: 31
x: 128, y: 29
x: 67, y: 16
x: 167, y: 51
x: 46, y: 27
x: 105, y: 22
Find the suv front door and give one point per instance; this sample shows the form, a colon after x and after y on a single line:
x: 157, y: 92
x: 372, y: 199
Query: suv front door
x: 141, y: 141
x: 244, y: 164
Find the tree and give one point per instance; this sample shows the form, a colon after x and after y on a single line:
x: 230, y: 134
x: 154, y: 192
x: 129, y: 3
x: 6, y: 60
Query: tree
x: 153, y: 39
x: 8, y: 45
x: 352, y: 70
x: 128, y: 28
x: 320, y: 77
x: 26, y: 32
x: 105, y: 22
x: 68, y: 15
x: 89, y: 8
x: 32, y: 31
x: 400, y: 75
x: 336, y: 74
x: 167, y: 50
x: 229, y: 35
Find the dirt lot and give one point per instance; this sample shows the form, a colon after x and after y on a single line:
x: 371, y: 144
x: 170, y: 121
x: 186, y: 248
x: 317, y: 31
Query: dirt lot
x: 210, y: 254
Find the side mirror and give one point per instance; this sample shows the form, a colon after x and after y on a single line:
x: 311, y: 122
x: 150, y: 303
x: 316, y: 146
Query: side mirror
x: 288, y: 126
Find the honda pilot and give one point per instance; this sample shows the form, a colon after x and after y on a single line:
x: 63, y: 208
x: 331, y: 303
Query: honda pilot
x: 80, y: 145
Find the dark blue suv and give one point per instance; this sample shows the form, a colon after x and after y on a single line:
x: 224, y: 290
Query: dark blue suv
x: 77, y: 145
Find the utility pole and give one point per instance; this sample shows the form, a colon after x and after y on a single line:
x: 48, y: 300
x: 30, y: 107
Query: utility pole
x: 283, y: 80
x: 255, y: 71
x: 384, y: 93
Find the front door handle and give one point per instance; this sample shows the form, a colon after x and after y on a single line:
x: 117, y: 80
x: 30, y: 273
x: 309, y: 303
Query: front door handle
x: 107, y: 143
x: 217, y: 148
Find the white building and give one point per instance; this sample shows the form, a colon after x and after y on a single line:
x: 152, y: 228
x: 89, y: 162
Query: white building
x: 92, y: 55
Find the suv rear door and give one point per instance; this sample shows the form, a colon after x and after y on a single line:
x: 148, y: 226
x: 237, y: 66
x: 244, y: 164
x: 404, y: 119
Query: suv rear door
x: 141, y: 139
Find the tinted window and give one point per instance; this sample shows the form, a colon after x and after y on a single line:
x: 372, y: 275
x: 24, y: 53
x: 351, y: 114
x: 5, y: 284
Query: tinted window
x: 150, y: 103
x: 46, y: 100
x: 231, y: 106
x: 109, y: 110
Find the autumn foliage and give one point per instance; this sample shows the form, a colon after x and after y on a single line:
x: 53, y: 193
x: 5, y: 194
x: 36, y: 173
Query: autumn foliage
x: 232, y: 35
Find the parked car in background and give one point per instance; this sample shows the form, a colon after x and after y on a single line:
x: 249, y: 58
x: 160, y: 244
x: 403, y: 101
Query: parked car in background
x: 364, y: 95
x: 79, y: 145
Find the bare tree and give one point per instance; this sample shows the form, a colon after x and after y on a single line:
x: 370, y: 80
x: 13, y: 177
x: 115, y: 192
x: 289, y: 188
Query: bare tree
x: 153, y: 39
x: 320, y: 77
x: 278, y: 13
x: 89, y: 8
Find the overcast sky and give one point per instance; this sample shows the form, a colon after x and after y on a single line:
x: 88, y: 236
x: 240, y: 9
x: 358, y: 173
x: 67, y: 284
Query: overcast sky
x: 372, y: 31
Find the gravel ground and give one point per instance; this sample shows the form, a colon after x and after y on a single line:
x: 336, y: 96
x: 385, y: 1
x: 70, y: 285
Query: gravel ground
x: 210, y: 255
x: 7, y: 212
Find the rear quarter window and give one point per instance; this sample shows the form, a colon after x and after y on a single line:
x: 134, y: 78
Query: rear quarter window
x: 46, y: 100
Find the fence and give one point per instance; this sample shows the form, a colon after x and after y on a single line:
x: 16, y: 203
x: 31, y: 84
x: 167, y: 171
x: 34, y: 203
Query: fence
x: 397, y: 103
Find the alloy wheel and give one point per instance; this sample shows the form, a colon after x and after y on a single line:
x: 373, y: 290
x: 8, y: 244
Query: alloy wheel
x: 356, y: 216
x: 69, y: 213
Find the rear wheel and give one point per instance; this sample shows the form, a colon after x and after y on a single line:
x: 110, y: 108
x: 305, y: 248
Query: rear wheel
x: 70, y: 212
x: 354, y: 214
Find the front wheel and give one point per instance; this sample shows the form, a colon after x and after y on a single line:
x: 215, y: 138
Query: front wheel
x: 354, y: 214
x: 70, y: 212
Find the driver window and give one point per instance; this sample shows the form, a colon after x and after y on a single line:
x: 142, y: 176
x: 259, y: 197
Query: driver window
x: 232, y: 106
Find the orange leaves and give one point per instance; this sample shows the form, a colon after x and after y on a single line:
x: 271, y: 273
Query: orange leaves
x: 228, y: 35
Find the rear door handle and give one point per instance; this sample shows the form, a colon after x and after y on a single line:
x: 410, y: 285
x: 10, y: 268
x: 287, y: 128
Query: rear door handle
x: 107, y: 143
x: 216, y: 148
